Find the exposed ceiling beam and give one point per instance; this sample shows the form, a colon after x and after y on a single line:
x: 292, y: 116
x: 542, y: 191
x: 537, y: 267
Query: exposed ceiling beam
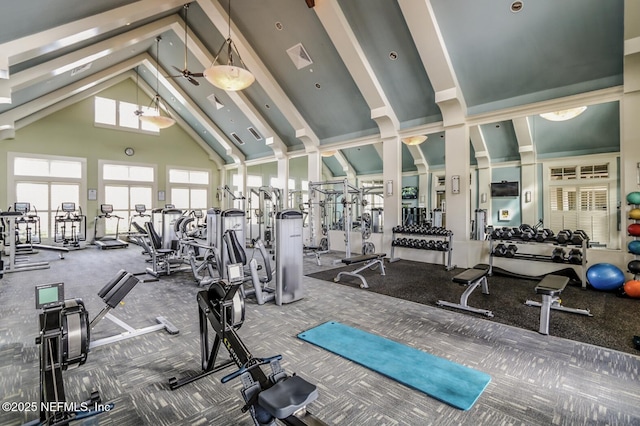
x: 217, y: 15
x: 422, y: 23
x: 84, y: 56
x: 522, y: 128
x: 29, y: 47
x: 351, y: 53
x: 480, y: 147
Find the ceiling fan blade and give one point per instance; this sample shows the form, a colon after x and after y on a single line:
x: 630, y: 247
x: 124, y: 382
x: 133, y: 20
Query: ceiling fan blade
x: 193, y: 81
x: 196, y: 74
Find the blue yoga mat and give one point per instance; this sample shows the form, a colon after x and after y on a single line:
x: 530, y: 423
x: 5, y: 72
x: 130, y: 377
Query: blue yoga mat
x: 446, y: 381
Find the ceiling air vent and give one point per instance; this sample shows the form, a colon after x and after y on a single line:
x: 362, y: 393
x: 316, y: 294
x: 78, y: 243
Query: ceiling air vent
x: 299, y: 56
x: 255, y: 133
x: 80, y: 69
x: 215, y: 101
x: 237, y: 138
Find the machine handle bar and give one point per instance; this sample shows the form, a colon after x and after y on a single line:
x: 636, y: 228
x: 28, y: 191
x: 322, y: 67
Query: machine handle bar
x: 255, y: 363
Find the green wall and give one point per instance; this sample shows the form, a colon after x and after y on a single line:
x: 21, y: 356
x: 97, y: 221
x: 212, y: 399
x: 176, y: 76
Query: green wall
x: 71, y: 132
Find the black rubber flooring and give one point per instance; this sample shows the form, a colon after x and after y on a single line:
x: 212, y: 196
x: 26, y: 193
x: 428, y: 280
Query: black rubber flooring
x: 613, y: 325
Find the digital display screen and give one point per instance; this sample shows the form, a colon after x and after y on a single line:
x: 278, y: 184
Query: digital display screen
x: 505, y: 189
x: 22, y: 207
x: 235, y: 272
x: 49, y: 294
x: 106, y: 208
x: 68, y: 207
x: 141, y: 208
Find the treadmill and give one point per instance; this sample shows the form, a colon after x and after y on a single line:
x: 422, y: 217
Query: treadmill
x: 107, y: 241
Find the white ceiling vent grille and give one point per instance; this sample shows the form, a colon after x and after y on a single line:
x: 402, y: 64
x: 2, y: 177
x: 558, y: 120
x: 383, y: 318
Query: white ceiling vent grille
x: 254, y: 133
x: 235, y: 136
x: 299, y: 56
x: 80, y: 69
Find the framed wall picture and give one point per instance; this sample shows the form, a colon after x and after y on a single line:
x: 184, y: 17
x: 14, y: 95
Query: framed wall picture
x: 161, y: 195
x: 504, y: 214
x: 92, y: 194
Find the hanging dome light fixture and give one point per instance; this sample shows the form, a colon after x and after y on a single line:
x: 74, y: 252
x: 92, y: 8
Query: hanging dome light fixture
x: 232, y: 76
x: 414, y: 140
x: 155, y: 118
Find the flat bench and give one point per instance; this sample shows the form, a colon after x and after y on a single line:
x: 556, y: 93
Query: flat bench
x: 372, y: 261
x: 550, y: 288
x: 471, y: 278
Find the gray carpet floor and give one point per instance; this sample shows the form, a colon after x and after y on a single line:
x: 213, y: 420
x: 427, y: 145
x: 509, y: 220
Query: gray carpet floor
x: 536, y: 380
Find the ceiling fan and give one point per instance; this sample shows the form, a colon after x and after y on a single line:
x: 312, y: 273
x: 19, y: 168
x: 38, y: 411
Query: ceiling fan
x: 185, y: 72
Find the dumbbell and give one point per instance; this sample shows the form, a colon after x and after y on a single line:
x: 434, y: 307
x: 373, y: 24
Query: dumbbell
x: 558, y: 255
x: 511, y: 250
x: 527, y: 232
x: 431, y: 245
x: 543, y: 235
x: 394, y: 242
x: 445, y: 246
x: 575, y: 256
x: 564, y: 236
x: 507, y: 233
x: 496, y: 234
x: 500, y: 250
x: 578, y: 237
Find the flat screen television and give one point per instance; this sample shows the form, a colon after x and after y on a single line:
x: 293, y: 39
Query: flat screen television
x: 409, y: 192
x: 505, y: 189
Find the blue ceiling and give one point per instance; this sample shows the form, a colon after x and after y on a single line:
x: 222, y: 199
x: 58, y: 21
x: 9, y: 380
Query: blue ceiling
x: 501, y: 61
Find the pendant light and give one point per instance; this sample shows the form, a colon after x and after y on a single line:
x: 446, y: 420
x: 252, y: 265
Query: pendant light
x: 230, y: 76
x: 156, y: 119
x: 414, y: 140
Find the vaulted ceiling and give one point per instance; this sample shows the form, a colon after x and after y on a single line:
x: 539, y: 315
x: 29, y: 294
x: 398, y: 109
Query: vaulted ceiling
x: 355, y: 67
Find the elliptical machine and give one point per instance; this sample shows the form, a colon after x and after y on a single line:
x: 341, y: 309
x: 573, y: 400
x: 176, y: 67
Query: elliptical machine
x: 267, y: 397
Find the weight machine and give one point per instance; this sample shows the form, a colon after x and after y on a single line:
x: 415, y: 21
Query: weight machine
x: 70, y: 225
x: 267, y: 398
x: 342, y: 194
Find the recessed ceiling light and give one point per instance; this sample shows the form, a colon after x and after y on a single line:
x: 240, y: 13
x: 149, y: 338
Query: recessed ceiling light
x: 393, y: 55
x: 517, y: 6
x: 317, y: 85
x: 279, y: 26
x: 267, y: 106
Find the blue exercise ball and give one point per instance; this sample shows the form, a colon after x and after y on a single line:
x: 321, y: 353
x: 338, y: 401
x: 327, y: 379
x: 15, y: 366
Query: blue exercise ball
x: 634, y: 246
x: 605, y: 276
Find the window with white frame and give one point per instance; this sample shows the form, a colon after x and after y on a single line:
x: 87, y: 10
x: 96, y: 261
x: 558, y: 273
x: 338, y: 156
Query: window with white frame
x: 189, y: 189
x: 122, y: 115
x: 582, y: 196
x: 124, y: 186
x: 46, y: 182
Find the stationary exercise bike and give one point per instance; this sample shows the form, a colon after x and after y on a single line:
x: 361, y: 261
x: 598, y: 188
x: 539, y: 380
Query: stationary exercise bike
x: 276, y: 396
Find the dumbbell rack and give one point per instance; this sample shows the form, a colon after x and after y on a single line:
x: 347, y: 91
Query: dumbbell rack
x: 446, y: 254
x: 541, y: 258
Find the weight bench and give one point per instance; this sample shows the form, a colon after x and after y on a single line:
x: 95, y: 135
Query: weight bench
x: 372, y: 261
x: 471, y: 278
x: 550, y: 288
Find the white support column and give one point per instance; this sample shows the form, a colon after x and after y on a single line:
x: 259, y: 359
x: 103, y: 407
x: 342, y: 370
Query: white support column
x: 457, y: 150
x: 314, y: 171
x: 484, y: 168
x: 392, y: 183
x: 528, y: 190
x: 630, y: 111
x: 283, y: 178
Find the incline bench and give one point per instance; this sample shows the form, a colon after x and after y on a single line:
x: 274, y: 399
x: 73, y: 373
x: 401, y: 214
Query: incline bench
x: 471, y: 278
x: 550, y: 288
x: 372, y: 261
